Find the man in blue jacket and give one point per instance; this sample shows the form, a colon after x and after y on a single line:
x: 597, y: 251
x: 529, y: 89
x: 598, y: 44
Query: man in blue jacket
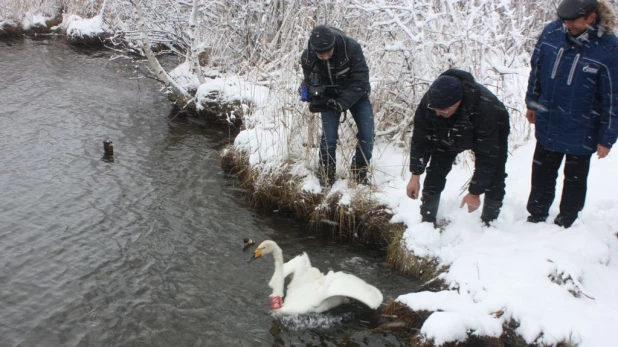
x: 572, y: 99
x: 332, y: 59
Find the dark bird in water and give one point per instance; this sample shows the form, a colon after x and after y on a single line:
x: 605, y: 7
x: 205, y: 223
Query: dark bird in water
x: 248, y: 243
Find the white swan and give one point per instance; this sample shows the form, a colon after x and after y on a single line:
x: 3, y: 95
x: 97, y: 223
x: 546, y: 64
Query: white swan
x: 310, y: 290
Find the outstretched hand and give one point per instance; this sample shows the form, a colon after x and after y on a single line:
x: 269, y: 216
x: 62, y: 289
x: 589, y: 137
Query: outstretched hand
x: 473, y: 202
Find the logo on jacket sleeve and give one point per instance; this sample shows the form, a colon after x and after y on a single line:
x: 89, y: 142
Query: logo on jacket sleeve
x: 590, y: 69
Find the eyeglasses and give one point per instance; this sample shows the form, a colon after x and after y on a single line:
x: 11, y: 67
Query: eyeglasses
x: 438, y: 109
x: 444, y: 112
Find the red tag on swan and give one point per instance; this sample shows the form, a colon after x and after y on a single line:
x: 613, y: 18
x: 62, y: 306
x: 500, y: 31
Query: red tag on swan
x: 276, y: 302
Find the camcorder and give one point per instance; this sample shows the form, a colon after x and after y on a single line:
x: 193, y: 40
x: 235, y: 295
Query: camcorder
x: 319, y: 93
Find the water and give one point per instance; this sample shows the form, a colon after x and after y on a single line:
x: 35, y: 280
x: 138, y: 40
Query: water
x: 147, y: 250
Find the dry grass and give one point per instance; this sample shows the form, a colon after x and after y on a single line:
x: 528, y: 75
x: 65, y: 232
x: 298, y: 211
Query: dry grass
x: 407, y: 262
x: 234, y: 162
x: 364, y: 220
x: 397, y: 317
x: 283, y: 194
x: 43, y: 29
x: 10, y: 31
x: 14, y: 31
x: 214, y: 108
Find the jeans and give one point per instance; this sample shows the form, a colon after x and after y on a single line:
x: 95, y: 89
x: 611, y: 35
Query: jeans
x: 362, y: 112
x: 545, y: 167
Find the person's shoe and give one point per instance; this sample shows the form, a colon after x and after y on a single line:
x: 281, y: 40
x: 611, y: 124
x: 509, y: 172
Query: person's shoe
x: 564, y: 221
x: 536, y: 219
x: 487, y: 222
x: 327, y: 176
x: 326, y: 180
x: 491, y: 210
x: 361, y: 176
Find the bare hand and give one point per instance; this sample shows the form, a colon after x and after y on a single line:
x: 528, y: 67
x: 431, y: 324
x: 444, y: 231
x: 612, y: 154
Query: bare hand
x: 531, y: 116
x: 602, y: 151
x: 414, y: 187
x: 473, y: 202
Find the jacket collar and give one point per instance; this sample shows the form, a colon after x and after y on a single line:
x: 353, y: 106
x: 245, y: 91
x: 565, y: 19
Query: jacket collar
x: 584, y: 38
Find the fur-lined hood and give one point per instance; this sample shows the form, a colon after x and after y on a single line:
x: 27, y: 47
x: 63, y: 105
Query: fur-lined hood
x: 608, y: 20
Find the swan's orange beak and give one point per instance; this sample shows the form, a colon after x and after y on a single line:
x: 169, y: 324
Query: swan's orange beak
x: 256, y: 254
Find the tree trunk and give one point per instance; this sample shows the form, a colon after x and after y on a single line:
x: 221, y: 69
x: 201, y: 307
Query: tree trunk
x: 181, y: 94
x: 193, y: 55
x: 102, y: 13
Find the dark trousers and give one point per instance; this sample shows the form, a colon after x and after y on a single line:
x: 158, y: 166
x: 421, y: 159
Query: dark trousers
x: 362, y: 112
x: 545, y: 167
x: 440, y: 165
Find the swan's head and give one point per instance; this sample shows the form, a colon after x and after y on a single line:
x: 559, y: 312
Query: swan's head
x: 266, y: 247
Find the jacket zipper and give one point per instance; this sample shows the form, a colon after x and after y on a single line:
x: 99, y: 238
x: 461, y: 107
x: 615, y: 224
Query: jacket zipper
x: 329, y: 75
x: 342, y: 71
x: 553, y: 73
x: 573, y: 70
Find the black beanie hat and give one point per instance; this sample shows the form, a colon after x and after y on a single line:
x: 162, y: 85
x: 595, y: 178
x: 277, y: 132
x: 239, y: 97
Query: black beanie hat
x: 322, y: 39
x: 573, y: 9
x: 445, y: 91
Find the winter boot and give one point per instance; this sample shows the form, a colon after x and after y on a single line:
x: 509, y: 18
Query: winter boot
x: 565, y: 220
x: 536, y: 219
x: 326, y: 175
x: 429, y: 208
x: 491, y: 210
x: 361, y: 176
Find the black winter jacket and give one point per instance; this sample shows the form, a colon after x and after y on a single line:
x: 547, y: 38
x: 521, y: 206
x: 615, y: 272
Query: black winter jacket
x: 347, y: 68
x: 481, y: 123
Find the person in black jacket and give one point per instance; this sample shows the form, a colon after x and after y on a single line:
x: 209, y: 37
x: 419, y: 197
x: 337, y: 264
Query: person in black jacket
x: 454, y: 115
x: 338, y: 61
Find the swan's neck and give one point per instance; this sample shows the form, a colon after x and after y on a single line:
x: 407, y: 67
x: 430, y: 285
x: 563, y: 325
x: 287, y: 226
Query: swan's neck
x: 277, y: 281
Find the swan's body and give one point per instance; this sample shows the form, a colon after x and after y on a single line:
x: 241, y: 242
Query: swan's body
x: 310, y: 290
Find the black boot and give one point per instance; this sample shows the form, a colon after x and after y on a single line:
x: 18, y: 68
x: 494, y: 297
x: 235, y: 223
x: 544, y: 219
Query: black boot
x: 491, y: 210
x: 361, y: 176
x: 429, y: 208
x: 536, y: 219
x: 565, y: 220
x: 326, y: 175
x: 360, y: 173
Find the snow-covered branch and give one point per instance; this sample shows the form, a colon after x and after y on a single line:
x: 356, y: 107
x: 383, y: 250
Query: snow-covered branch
x: 180, y: 92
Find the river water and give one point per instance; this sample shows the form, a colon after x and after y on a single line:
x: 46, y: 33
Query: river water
x: 145, y: 250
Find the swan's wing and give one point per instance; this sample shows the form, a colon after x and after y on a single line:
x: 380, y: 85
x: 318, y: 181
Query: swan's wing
x: 343, y: 284
x: 296, y: 265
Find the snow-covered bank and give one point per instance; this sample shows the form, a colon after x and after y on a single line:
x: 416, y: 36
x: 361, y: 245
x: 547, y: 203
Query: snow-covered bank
x: 557, y: 284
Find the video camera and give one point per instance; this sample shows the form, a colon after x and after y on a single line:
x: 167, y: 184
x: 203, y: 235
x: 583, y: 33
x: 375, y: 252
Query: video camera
x: 319, y: 93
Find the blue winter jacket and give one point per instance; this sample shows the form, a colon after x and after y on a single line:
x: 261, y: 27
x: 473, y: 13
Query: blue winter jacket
x: 573, y: 86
